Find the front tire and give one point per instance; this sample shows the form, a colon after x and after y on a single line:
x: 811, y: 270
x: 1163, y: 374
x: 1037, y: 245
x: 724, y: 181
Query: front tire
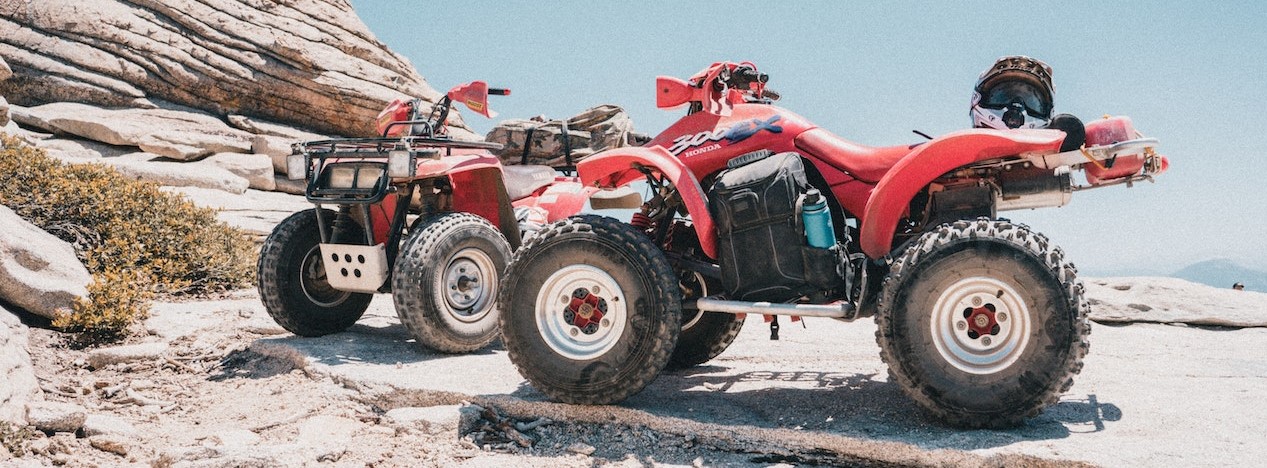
x: 292, y: 278
x: 983, y: 323
x: 444, y: 284
x: 590, y: 310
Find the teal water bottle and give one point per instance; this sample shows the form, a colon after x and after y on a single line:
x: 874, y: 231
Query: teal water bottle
x: 817, y: 221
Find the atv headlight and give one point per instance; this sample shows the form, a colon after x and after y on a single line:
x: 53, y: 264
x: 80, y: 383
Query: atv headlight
x: 351, y: 175
x: 296, y: 167
x: 401, y: 163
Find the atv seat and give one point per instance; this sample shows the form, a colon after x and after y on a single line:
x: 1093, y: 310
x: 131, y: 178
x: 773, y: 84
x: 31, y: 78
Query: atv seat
x: 865, y: 163
x: 523, y: 180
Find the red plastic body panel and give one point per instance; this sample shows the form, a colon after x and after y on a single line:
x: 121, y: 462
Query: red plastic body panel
x: 381, y: 218
x: 704, y: 142
x: 614, y: 168
x: 565, y: 197
x: 866, y: 163
x: 889, y: 200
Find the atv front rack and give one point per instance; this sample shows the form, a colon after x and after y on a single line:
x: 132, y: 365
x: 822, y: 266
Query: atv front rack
x: 324, y: 152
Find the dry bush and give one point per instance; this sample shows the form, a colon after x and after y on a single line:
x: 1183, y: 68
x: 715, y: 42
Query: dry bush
x: 135, y: 239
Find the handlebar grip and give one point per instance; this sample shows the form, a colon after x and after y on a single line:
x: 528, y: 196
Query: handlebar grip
x: 770, y: 94
x: 499, y: 91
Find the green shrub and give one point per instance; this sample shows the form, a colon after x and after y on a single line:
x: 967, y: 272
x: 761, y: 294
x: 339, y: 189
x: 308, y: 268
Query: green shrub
x: 134, y: 238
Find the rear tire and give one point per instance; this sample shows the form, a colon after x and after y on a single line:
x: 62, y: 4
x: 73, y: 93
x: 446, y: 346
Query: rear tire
x: 983, y: 323
x: 445, y: 281
x: 590, y: 310
x: 292, y: 282
x: 704, y: 335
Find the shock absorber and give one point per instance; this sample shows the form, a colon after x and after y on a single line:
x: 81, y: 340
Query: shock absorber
x: 640, y: 219
x: 343, y: 232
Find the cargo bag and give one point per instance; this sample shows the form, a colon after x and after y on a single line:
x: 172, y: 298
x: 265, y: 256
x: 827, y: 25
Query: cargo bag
x: 761, y: 246
x: 563, y: 143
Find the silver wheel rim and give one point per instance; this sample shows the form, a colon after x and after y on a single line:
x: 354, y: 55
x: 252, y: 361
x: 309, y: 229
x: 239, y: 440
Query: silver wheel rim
x: 986, y: 353
x: 469, y: 284
x: 312, y: 280
x: 559, y: 328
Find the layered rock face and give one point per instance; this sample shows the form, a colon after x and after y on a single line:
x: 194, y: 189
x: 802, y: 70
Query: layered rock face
x: 308, y: 63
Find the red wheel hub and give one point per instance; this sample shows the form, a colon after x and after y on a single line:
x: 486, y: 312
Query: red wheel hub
x: 585, y: 310
x: 981, y: 321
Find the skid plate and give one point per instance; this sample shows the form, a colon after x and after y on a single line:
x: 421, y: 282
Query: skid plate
x: 355, y: 268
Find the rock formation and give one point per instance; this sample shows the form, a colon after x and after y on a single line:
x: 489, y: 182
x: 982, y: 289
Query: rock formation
x: 20, y: 386
x: 309, y: 63
x: 38, y: 271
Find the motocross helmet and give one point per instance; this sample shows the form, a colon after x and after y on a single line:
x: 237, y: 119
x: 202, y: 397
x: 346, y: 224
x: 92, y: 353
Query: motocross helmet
x: 1016, y: 92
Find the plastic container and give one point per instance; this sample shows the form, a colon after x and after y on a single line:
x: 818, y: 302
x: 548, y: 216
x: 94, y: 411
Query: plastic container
x: 1108, y: 131
x: 817, y: 221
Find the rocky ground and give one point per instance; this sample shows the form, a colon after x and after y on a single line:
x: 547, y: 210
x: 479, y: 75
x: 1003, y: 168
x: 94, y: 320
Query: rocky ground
x: 215, y: 382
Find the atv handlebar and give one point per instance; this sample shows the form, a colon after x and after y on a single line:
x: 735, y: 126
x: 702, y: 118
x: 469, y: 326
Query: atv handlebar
x: 499, y: 91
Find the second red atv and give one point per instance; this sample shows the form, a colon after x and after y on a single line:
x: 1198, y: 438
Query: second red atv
x: 416, y: 213
x: 982, y: 321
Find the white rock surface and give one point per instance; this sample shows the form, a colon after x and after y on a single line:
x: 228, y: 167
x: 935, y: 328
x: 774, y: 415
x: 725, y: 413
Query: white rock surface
x: 1173, y: 300
x: 430, y: 419
x: 263, y: 127
x: 177, y: 134
x: 51, y: 416
x: 276, y: 148
x: 4, y: 112
x: 18, y: 376
x: 101, y: 357
x: 146, y: 166
x: 257, y: 169
x: 75, y: 150
x: 38, y: 271
x: 105, y: 424
x: 234, y: 438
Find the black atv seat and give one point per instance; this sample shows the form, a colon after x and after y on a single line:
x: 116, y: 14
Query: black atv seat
x: 522, y: 180
x: 865, y: 163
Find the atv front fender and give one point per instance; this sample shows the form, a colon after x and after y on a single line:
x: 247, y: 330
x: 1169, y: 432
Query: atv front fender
x: 618, y: 167
x: 892, y: 195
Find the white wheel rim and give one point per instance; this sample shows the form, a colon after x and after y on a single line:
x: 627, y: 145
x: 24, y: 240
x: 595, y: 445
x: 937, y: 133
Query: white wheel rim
x: 953, y: 333
x: 558, y: 318
x: 469, y: 284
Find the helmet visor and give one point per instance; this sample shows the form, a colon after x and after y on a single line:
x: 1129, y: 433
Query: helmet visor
x: 1005, y: 94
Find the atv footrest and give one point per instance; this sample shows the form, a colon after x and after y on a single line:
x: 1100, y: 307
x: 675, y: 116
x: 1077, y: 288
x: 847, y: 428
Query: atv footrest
x: 355, y: 268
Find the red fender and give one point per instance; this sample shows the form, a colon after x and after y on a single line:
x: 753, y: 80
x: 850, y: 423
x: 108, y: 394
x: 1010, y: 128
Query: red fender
x: 614, y: 168
x: 892, y: 195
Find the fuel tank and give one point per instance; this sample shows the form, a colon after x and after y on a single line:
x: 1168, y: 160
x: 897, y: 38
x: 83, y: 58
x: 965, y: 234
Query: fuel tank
x: 706, y: 141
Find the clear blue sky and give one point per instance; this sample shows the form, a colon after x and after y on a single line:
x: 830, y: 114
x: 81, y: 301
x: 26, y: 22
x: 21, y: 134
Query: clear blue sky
x: 1193, y: 74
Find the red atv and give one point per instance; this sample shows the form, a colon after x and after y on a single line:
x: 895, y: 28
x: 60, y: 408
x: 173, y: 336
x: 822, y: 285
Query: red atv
x: 428, y: 218
x: 758, y: 211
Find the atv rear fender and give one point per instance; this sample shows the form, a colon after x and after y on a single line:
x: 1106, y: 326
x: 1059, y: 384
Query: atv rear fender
x: 618, y: 167
x: 893, y: 194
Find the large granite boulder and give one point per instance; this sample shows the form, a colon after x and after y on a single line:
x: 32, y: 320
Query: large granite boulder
x: 309, y: 63
x: 151, y: 167
x: 18, y: 376
x: 38, y: 271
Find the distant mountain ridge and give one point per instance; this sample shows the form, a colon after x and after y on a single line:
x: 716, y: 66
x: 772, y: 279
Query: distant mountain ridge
x: 1222, y: 273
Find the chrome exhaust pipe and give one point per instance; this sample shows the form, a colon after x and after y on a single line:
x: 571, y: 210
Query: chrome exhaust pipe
x: 843, y: 311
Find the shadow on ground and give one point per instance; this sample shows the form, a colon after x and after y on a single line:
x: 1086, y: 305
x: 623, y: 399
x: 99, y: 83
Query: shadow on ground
x: 859, y: 405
